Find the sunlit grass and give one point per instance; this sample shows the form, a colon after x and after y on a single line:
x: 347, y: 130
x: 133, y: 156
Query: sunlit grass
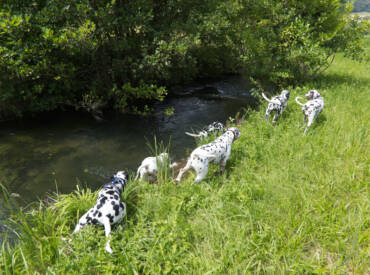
x: 288, y: 203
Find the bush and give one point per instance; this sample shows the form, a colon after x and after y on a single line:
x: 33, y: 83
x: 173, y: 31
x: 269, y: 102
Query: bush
x: 92, y: 54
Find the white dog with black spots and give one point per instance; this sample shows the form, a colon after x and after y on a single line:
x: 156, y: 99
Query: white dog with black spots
x: 312, y: 108
x: 217, y: 152
x: 109, y: 209
x: 149, y: 167
x: 277, y: 104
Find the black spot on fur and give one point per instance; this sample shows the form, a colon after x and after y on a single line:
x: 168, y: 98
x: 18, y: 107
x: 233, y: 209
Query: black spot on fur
x: 116, y: 209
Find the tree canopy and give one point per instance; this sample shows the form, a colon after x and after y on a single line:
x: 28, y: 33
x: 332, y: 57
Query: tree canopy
x: 124, y: 53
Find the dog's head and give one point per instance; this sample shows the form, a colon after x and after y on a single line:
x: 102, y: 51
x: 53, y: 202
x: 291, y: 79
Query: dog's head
x: 313, y: 94
x: 119, y: 180
x: 120, y: 175
x: 286, y: 94
x: 235, y: 131
x: 215, y: 126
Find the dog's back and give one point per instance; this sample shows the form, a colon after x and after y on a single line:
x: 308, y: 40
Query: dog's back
x: 312, y: 108
x: 217, y: 151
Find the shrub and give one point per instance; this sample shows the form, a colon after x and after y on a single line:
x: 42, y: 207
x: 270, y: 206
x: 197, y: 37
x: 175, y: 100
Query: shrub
x: 92, y: 54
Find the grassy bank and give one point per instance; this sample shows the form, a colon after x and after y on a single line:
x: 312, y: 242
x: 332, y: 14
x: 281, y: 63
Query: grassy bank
x: 288, y: 203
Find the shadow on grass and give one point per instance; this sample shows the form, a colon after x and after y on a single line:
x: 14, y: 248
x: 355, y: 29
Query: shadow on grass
x: 327, y: 80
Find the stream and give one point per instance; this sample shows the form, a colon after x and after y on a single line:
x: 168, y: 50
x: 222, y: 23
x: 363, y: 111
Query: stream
x: 58, y: 150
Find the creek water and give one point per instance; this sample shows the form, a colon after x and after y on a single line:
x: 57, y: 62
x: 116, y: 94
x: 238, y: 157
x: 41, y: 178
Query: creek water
x: 59, y: 150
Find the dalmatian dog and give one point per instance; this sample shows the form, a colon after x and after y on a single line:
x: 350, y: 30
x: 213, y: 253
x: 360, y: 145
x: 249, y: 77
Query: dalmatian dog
x: 312, y: 108
x: 150, y: 165
x: 217, y: 152
x: 277, y: 104
x: 214, y: 127
x: 109, y: 209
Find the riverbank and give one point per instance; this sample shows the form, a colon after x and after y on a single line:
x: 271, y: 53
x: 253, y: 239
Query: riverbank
x: 288, y: 203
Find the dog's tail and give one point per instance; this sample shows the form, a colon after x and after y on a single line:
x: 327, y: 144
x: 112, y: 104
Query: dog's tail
x: 193, y: 135
x: 138, y: 171
x: 299, y: 97
x: 201, y: 134
x: 266, y: 98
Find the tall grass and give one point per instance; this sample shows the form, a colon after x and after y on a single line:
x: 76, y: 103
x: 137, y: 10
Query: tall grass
x: 288, y: 203
x: 164, y: 172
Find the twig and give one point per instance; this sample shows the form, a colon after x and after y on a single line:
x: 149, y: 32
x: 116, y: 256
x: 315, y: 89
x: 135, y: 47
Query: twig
x: 316, y: 74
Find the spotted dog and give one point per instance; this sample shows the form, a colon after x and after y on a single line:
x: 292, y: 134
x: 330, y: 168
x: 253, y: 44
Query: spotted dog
x: 277, y: 104
x: 217, y: 152
x: 150, y: 165
x: 109, y: 209
x: 214, y: 127
x: 312, y: 108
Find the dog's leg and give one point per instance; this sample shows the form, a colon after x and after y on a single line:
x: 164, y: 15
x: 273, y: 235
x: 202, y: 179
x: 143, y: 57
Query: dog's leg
x: 138, y: 173
x: 183, y: 170
x: 267, y: 113
x: 304, y: 119
x: 144, y: 173
x: 201, y: 173
x: 224, y: 160
x: 223, y: 165
x: 275, y: 117
x: 82, y: 222
x: 310, y: 120
x: 107, y: 229
x: 200, y: 166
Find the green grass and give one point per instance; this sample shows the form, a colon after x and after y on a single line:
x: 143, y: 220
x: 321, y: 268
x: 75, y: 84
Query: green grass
x: 288, y: 203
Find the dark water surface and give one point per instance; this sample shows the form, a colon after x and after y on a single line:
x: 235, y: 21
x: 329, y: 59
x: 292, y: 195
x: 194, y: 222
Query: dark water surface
x: 60, y: 150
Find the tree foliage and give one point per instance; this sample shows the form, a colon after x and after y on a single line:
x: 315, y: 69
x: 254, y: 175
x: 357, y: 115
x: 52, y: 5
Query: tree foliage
x: 123, y: 53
